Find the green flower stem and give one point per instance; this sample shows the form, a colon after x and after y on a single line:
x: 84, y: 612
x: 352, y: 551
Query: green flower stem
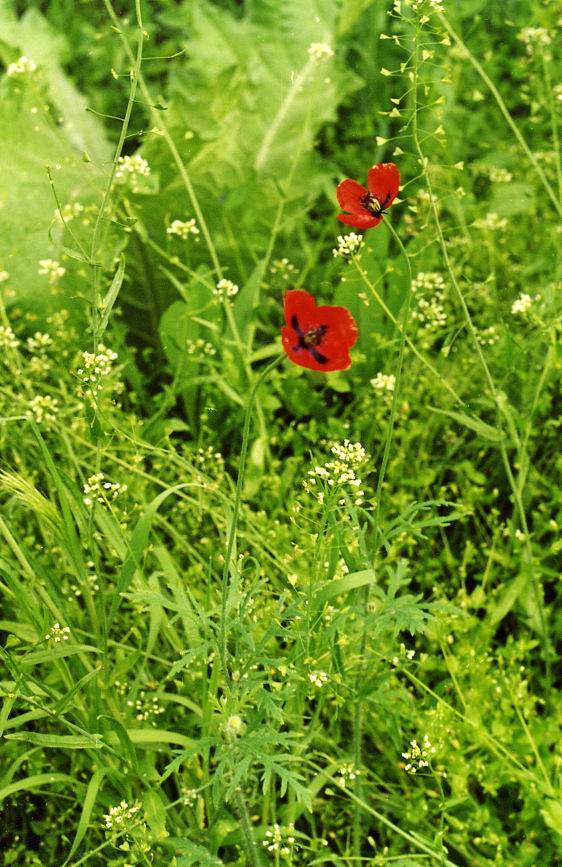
x: 358, y: 709
x: 98, y: 233
x: 252, y: 850
x: 231, y: 537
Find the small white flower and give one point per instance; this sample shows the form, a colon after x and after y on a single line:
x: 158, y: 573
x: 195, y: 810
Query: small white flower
x: 348, y: 245
x: 226, y: 289
x: 119, y: 817
x: 491, y: 222
x: 279, y: 839
x: 96, y: 366
x: 99, y: 489
x: 57, y: 633
x: 419, y: 755
x: 200, y: 347
x: 384, y: 382
x: 4, y: 276
x: 8, y: 339
x: 135, y: 165
x: 318, y: 678
x: 22, y: 66
x: 319, y: 51
x: 50, y: 268
x: 534, y: 38
x: 522, y: 305
x: 183, y: 228
x: 39, y: 342
x: 43, y: 409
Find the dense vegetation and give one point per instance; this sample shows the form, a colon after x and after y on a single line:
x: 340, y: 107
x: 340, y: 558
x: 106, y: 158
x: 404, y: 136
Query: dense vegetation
x: 252, y: 613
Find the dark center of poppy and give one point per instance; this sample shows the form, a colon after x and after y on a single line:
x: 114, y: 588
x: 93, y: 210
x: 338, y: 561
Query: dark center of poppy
x: 314, y: 336
x: 372, y: 204
x: 310, y: 339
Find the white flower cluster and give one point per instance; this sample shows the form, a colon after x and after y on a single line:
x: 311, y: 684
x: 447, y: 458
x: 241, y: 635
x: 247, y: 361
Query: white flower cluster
x: 4, y: 276
x: 318, y: 678
x: 279, y: 839
x: 523, y: 305
x: 22, y: 66
x: 428, y: 281
x: 418, y: 756
x: 96, y: 365
x: 430, y: 312
x: 492, y: 222
x: 226, y: 289
x: 43, y: 409
x: 282, y: 266
x: 8, y: 339
x: 348, y: 245
x: 339, y: 472
x: 135, y: 165
x: 119, y: 817
x: 347, y: 773
x: 97, y: 488
x: 183, y: 228
x: 405, y: 653
x: 534, y: 38
x: 488, y: 336
x: 418, y: 6
x: 57, y: 633
x: 51, y: 269
x: 384, y: 382
x: 39, y: 342
x: 146, y: 707
x: 188, y: 796
x: 319, y: 51
x: 200, y: 347
x: 496, y: 174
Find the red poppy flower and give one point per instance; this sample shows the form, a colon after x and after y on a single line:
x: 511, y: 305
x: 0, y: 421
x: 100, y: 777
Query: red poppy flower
x: 317, y: 337
x: 367, y: 206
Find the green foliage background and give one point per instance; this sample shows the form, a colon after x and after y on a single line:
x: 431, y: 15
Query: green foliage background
x: 260, y: 712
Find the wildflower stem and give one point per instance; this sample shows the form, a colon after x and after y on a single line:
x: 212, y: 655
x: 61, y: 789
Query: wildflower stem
x: 251, y: 849
x: 231, y: 532
x: 358, y: 710
x: 97, y: 236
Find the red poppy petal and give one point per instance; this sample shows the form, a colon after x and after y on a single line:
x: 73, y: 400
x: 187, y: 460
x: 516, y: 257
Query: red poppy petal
x: 342, y: 329
x: 299, y: 303
x: 349, y: 194
x: 332, y: 352
x: 359, y: 221
x: 383, y: 181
